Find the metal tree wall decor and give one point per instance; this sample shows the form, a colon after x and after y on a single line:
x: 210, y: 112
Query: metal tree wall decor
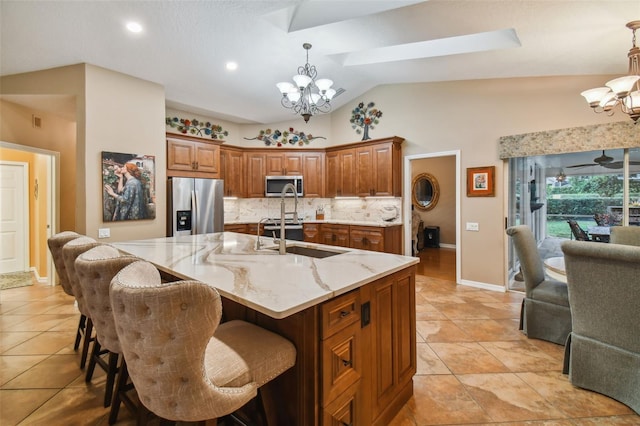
x: 364, y: 118
x: 196, y: 127
x: 286, y: 137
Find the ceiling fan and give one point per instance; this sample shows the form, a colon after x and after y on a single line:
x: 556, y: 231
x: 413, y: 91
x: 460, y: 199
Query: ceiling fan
x: 605, y: 161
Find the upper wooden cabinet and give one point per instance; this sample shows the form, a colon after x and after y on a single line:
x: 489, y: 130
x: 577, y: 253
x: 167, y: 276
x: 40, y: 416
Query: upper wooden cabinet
x: 371, y: 168
x: 340, y: 173
x: 378, y: 168
x: 256, y: 170
x: 192, y: 157
x: 313, y: 174
x: 232, y: 171
x: 284, y: 163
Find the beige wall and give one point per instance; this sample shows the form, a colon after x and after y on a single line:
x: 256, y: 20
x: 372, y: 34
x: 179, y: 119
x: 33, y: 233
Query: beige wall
x: 470, y: 116
x: 56, y: 134
x: 114, y: 112
x: 443, y: 169
x: 123, y: 114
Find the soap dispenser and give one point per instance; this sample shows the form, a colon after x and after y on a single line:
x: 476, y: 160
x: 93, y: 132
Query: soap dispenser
x: 320, y: 212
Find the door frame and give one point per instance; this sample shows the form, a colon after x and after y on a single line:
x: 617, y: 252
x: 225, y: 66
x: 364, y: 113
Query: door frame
x: 53, y: 196
x: 406, y: 195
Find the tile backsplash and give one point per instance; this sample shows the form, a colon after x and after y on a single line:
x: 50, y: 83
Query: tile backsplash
x: 356, y: 209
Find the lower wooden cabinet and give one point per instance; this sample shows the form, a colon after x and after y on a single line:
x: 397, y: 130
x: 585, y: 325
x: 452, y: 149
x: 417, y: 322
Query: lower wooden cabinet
x: 386, y: 239
x: 334, y: 234
x: 311, y: 232
x: 356, y: 354
x: 236, y: 227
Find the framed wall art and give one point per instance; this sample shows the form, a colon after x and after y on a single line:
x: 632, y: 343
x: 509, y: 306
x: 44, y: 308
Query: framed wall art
x: 480, y: 181
x: 128, y: 187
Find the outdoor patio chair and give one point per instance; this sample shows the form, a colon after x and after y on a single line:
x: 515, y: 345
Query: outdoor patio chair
x: 578, y: 233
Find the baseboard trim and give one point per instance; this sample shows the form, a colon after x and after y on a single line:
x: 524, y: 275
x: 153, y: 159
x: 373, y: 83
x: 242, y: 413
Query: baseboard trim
x: 483, y: 286
x: 38, y: 277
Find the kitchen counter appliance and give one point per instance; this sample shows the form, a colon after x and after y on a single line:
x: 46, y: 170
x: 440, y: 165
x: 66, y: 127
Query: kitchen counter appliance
x: 275, y: 184
x: 293, y: 231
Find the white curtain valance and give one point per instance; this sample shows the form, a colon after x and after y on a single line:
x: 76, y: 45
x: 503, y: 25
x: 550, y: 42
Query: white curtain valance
x: 623, y: 134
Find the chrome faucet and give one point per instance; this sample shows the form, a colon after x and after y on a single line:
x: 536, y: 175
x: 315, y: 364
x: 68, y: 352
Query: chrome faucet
x: 287, y: 187
x: 258, y: 243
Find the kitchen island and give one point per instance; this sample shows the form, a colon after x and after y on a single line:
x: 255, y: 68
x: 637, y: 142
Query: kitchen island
x: 351, y: 316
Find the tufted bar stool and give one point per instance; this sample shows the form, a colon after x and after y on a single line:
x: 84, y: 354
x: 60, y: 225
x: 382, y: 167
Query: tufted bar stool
x: 70, y: 252
x: 55, y: 243
x: 95, y: 268
x: 185, y: 365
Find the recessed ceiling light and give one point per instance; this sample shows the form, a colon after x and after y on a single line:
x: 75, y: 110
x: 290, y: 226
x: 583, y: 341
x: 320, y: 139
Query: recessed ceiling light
x: 232, y: 66
x: 134, y: 27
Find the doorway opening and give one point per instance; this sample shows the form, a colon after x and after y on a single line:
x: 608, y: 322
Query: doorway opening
x: 448, y: 206
x: 42, y: 217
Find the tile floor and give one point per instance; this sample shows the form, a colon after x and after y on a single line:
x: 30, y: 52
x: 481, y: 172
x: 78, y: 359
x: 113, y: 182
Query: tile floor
x: 474, y: 366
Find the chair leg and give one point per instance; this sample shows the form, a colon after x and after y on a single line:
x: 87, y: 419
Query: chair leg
x: 85, y: 343
x: 112, y: 370
x: 80, y: 332
x: 120, y: 394
x: 93, y: 359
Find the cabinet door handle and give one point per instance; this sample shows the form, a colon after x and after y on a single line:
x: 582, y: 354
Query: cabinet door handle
x: 196, y: 165
x: 344, y: 314
x: 346, y: 362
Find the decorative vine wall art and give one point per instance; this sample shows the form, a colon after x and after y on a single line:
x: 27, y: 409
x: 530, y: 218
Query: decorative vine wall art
x: 364, y: 118
x: 286, y: 137
x: 196, y: 127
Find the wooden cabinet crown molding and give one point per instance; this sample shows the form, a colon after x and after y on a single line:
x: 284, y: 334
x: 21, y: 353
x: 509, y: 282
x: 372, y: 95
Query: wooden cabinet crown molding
x: 193, y: 138
x: 394, y: 139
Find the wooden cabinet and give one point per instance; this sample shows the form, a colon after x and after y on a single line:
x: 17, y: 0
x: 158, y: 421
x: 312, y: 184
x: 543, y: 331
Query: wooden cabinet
x: 367, y: 238
x: 393, y: 343
x: 235, y: 227
x: 372, y: 168
x: 387, y: 239
x: 377, y: 170
x: 356, y: 354
x: 190, y: 157
x: 313, y: 174
x: 284, y: 163
x: 232, y: 171
x: 334, y: 234
x: 311, y: 232
x: 341, y: 173
x: 342, y: 363
x: 255, y: 163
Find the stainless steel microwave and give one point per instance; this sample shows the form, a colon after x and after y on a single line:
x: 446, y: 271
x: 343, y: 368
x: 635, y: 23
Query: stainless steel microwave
x: 274, y: 184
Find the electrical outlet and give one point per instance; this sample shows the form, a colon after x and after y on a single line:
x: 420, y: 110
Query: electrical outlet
x: 104, y: 233
x: 473, y: 226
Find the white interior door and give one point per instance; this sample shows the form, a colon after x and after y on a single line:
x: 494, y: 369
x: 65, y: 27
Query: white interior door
x: 14, y: 217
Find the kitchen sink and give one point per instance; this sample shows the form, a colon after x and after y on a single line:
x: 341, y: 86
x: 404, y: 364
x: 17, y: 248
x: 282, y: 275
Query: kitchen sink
x: 310, y: 252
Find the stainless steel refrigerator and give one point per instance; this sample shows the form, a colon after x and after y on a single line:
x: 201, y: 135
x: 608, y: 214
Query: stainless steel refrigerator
x: 194, y: 206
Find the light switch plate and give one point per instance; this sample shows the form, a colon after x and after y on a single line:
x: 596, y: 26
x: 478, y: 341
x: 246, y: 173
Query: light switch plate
x: 104, y: 233
x: 473, y: 226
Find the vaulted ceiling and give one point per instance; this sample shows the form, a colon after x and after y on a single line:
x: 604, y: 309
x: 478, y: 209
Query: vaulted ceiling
x: 360, y: 44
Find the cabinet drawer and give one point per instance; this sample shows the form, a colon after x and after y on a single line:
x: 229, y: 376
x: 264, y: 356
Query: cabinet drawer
x: 344, y: 410
x: 341, y: 364
x: 340, y: 313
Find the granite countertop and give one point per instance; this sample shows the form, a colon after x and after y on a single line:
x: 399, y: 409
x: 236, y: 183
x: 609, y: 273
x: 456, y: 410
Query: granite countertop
x: 263, y: 280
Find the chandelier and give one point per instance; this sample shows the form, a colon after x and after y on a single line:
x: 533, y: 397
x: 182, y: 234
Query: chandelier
x: 307, y: 96
x: 620, y: 91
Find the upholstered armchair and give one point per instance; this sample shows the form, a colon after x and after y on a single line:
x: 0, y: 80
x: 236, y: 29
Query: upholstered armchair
x: 628, y: 235
x: 545, y: 312
x: 603, y: 350
x: 184, y: 364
